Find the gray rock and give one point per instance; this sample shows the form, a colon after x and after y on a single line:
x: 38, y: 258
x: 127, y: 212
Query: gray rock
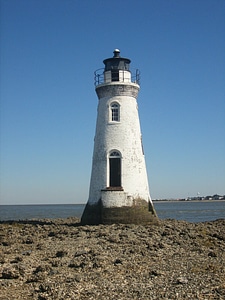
x: 64, y: 260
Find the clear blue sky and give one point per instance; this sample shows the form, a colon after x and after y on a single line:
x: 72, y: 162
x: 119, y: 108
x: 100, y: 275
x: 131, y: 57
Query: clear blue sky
x: 49, y: 51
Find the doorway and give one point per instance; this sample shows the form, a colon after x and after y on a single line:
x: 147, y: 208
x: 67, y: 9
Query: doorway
x: 114, y: 169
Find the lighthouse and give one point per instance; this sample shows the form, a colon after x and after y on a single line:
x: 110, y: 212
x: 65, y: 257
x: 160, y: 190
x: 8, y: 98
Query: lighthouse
x: 119, y: 191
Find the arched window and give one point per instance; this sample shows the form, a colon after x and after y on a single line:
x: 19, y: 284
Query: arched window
x: 115, y: 112
x: 115, y: 169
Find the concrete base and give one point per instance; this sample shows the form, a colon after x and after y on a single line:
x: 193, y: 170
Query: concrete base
x: 140, y: 212
x: 91, y: 214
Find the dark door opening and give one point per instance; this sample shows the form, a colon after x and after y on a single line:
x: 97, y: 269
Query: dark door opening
x: 115, y: 172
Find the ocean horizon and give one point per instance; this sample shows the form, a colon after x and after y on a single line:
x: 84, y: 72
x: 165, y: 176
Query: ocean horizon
x: 191, y: 211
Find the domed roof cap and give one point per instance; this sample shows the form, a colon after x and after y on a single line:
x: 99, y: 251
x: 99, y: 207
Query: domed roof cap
x: 116, y: 53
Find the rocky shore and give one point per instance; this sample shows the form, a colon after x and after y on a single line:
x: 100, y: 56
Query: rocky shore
x: 59, y: 259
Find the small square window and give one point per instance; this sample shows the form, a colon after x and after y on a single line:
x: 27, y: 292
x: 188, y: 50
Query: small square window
x: 115, y: 75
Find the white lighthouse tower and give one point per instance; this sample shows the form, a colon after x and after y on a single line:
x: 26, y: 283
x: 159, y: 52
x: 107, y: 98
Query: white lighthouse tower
x: 119, y: 191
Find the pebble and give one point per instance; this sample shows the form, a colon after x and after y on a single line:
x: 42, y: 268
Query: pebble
x: 59, y: 259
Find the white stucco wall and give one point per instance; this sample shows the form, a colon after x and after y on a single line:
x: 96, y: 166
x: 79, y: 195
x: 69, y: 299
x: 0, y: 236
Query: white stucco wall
x: 124, y: 136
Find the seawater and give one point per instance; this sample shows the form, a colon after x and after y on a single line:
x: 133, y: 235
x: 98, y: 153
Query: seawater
x: 190, y: 211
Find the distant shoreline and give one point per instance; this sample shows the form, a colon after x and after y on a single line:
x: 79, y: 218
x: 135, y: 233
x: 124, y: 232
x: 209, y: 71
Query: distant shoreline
x: 174, y: 200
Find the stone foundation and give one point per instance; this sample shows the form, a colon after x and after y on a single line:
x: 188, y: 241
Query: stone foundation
x: 91, y: 214
x: 141, y: 212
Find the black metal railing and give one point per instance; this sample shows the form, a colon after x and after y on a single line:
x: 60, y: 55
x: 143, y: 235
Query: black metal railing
x: 99, y: 76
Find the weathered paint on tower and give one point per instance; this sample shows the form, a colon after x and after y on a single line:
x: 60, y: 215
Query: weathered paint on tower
x: 119, y: 191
